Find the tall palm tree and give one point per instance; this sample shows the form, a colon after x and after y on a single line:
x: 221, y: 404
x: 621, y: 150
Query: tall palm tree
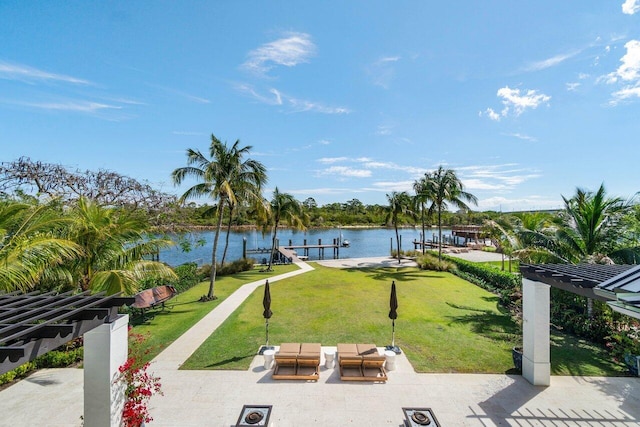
x: 422, y: 198
x: 246, y: 197
x: 32, y: 245
x: 114, y: 245
x: 284, y: 207
x: 218, y: 176
x: 399, y: 204
x: 444, y: 187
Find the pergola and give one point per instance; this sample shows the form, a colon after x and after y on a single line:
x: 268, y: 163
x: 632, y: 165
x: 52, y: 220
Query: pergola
x: 34, y: 323
x: 617, y: 285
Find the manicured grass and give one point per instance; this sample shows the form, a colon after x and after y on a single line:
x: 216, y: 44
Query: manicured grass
x: 183, y: 311
x: 575, y: 356
x: 445, y: 324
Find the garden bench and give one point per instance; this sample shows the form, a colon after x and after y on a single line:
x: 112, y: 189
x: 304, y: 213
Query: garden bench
x: 153, y: 297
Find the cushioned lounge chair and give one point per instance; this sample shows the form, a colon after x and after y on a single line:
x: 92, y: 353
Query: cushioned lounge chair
x: 295, y: 361
x: 308, y: 361
x: 361, y: 362
x: 286, y: 360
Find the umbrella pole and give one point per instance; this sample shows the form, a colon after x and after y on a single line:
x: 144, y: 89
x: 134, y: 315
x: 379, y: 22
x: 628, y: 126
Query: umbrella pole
x: 393, y: 332
x: 267, y: 322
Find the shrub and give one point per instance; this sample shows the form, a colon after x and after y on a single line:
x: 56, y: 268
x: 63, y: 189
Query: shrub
x: 495, y: 279
x: 187, y: 278
x: 237, y: 266
x: 431, y: 262
x: 19, y: 372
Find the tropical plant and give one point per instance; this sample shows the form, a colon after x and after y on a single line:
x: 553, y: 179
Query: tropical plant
x: 114, y: 244
x: 31, y: 244
x: 399, y: 204
x: 284, y: 207
x: 139, y: 385
x: 444, y: 187
x: 219, y: 177
x: 421, y: 199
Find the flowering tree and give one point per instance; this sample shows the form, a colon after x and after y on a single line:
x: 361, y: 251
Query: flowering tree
x: 139, y: 384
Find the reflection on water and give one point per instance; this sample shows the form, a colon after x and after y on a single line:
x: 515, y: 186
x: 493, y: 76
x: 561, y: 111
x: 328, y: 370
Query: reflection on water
x: 364, y: 242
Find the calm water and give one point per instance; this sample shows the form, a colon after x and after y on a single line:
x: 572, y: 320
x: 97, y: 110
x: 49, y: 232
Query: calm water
x: 364, y: 242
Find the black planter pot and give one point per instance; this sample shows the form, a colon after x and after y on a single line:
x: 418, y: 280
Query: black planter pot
x: 516, y: 353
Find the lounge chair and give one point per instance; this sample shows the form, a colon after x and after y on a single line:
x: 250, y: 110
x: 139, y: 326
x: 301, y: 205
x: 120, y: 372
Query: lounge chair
x: 295, y: 361
x: 286, y: 359
x: 308, y: 361
x: 361, y: 362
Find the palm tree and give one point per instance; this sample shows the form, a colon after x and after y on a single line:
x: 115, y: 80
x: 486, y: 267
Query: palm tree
x: 31, y: 244
x: 284, y: 207
x: 421, y: 199
x: 444, y: 187
x: 219, y: 175
x: 114, y: 244
x: 399, y: 204
x: 589, y: 227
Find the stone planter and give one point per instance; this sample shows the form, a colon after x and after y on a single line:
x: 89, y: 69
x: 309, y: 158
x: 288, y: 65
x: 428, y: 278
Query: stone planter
x: 516, y: 353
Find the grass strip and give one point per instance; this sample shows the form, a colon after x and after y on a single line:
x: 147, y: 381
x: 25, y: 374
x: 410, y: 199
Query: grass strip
x: 164, y: 326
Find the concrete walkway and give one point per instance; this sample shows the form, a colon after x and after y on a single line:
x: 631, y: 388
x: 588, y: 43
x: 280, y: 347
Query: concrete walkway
x: 182, y: 348
x: 215, y: 398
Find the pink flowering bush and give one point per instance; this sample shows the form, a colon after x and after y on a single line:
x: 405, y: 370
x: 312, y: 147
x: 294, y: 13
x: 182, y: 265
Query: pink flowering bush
x: 139, y: 384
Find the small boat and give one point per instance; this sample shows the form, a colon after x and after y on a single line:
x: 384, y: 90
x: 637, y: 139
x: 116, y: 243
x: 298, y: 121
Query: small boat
x: 345, y: 243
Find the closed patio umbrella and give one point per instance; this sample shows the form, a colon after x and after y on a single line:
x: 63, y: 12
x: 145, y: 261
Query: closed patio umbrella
x: 267, y: 313
x: 393, y: 315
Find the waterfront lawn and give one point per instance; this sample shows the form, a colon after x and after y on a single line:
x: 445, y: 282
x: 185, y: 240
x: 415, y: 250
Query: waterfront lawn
x: 164, y: 326
x: 445, y: 324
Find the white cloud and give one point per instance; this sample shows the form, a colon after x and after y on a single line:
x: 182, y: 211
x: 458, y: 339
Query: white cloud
x: 503, y: 177
x: 630, y: 7
x: 78, y: 106
x: 515, y: 102
x: 382, y: 71
x: 25, y: 73
x: 330, y: 160
x: 346, y: 171
x: 572, y: 87
x: 626, y: 93
x: 628, y: 74
x: 551, y: 62
x: 294, y: 105
x: 492, y: 114
x: 521, y: 136
x: 301, y: 105
x: 503, y: 204
x: 512, y: 99
x: 389, y: 186
x: 289, y: 51
x: 384, y: 130
x: 630, y: 68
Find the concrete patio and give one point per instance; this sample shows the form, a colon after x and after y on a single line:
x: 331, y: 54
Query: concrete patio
x: 54, y: 397
x: 215, y: 398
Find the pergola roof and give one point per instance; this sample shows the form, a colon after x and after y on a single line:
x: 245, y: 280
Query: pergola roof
x: 618, y: 285
x: 32, y: 324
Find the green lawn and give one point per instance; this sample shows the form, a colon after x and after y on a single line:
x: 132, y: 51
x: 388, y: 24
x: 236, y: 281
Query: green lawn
x: 445, y: 324
x: 184, y: 311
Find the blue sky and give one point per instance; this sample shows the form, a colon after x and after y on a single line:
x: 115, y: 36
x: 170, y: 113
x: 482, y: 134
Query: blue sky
x: 339, y: 99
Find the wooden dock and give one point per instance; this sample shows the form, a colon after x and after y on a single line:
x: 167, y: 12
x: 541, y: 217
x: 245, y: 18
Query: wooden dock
x: 290, y: 252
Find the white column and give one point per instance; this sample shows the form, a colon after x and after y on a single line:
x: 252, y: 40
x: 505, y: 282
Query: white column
x: 105, y: 350
x: 536, y: 361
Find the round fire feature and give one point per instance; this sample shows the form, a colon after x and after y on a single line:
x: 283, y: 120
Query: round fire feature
x: 254, y: 417
x: 421, y: 418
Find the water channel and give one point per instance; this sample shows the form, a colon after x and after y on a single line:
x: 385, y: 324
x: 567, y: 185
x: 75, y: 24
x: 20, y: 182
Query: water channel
x: 363, y: 242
